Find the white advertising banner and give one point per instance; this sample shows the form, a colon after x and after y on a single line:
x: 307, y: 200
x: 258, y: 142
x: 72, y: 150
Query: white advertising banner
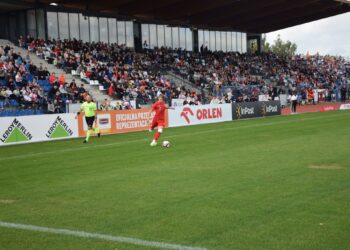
x: 263, y: 98
x: 345, y: 106
x: 203, y: 114
x: 73, y: 107
x: 35, y: 128
x: 177, y: 102
x: 284, y: 100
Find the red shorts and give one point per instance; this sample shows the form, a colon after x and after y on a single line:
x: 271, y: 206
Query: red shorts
x: 157, y: 123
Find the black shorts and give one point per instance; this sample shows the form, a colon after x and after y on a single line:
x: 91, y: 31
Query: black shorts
x: 90, y: 121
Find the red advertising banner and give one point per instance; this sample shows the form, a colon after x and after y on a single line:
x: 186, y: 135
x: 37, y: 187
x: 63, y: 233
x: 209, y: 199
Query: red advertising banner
x: 324, y: 107
x: 327, y: 108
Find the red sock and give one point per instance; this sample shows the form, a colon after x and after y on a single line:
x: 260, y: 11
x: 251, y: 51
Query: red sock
x: 156, y: 136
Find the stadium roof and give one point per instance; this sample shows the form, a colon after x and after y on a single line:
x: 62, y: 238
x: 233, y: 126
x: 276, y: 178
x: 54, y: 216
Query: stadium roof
x: 256, y: 16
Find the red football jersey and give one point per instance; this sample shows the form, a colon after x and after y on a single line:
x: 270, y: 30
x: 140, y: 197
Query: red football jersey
x: 159, y: 108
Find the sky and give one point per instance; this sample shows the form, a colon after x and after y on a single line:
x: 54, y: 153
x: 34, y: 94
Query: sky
x: 326, y: 36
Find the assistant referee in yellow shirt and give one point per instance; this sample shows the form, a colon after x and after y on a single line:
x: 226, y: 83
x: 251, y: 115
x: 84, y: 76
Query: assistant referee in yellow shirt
x: 89, y: 108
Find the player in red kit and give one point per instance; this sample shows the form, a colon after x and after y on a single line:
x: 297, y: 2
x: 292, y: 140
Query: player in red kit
x: 158, y: 119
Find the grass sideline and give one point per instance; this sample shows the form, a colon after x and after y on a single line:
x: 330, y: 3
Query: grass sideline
x: 274, y: 183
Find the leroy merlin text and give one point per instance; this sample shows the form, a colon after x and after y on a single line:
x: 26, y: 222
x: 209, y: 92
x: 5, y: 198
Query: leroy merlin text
x: 15, y: 124
x: 54, y: 125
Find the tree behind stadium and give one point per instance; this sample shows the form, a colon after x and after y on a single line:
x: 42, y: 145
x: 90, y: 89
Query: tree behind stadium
x: 280, y: 47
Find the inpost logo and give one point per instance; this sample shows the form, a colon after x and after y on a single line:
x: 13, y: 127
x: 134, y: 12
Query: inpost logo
x: 267, y: 109
x: 247, y: 111
x: 16, y: 132
x: 271, y: 108
x: 238, y: 111
x: 59, y: 129
x: 244, y: 111
x: 263, y: 109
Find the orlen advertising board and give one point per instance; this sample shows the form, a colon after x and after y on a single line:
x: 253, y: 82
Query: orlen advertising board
x: 203, y: 114
x: 35, y: 128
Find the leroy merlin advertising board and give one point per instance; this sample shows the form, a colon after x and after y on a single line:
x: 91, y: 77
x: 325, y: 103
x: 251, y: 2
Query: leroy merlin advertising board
x: 35, y: 128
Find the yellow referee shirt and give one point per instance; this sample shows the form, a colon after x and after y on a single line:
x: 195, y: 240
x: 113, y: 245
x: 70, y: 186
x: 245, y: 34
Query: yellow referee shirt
x: 89, y: 109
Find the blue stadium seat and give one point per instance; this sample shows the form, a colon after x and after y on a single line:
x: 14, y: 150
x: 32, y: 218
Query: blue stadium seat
x: 31, y: 77
x: 28, y: 78
x: 3, y: 83
x: 7, y: 113
x: 13, y: 103
x: 47, y: 88
x: 43, y: 83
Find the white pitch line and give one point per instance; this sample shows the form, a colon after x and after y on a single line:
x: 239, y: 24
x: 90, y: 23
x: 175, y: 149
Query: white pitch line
x: 23, y: 156
x: 120, y: 239
x: 69, y: 149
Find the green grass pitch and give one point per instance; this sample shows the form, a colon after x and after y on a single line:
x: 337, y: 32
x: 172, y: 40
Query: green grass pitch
x: 271, y: 183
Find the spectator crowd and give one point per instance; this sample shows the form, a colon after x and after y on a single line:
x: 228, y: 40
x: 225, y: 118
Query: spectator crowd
x: 244, y: 77
x: 123, y: 73
x: 127, y: 75
x: 27, y: 86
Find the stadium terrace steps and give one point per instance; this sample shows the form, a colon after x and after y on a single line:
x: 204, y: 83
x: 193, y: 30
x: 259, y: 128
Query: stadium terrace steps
x: 179, y: 81
x: 93, y: 90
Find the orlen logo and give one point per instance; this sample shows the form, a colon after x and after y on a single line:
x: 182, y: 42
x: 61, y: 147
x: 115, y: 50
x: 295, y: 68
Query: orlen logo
x: 201, y: 114
x: 185, y: 112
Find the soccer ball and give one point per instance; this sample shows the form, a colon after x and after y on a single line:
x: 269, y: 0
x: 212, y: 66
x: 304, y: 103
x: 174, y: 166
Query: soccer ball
x: 166, y: 144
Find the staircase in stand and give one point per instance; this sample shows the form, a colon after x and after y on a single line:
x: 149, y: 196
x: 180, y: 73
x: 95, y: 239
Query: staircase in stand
x: 92, y: 89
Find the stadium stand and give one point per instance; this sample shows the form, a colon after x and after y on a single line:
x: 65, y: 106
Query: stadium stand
x: 124, y: 74
x: 251, y: 75
x: 229, y: 77
x: 115, y: 69
x: 27, y: 89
